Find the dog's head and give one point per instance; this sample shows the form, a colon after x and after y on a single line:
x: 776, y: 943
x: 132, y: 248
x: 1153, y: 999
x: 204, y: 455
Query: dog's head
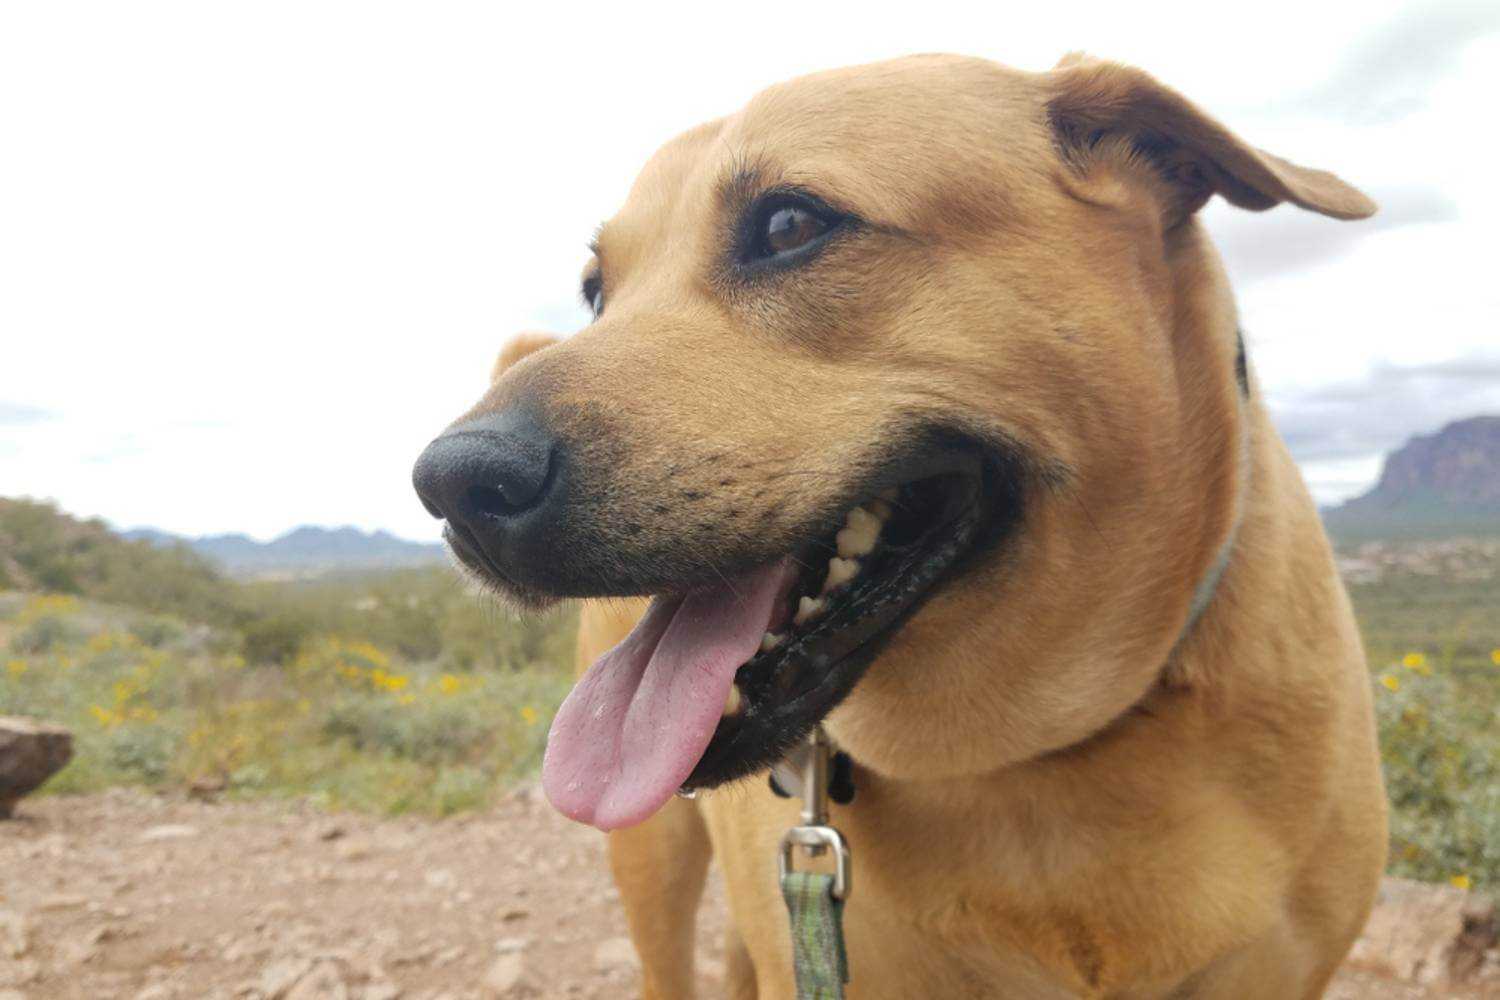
x: 918, y: 375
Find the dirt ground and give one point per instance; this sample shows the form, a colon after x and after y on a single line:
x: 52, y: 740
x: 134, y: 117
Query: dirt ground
x: 132, y: 896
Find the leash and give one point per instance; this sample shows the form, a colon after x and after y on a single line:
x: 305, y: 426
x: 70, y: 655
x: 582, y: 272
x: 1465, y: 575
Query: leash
x: 815, y: 900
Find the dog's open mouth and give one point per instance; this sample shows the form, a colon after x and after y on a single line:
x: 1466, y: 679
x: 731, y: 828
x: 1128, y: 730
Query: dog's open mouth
x: 719, y: 682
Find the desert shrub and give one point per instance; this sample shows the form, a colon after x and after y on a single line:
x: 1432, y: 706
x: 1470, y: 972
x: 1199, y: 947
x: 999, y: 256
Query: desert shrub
x: 157, y: 631
x: 1440, y: 743
x: 142, y: 751
x: 277, y: 638
x: 443, y: 733
x: 44, y: 634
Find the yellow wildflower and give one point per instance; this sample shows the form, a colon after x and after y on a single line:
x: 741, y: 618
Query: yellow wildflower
x: 1495, y: 657
x: 15, y: 667
x: 528, y: 715
x: 1391, y: 683
x: 103, y: 715
x: 1460, y: 882
x: 448, y: 684
x: 368, y: 653
x: 1416, y: 662
x: 406, y: 699
x: 47, y: 604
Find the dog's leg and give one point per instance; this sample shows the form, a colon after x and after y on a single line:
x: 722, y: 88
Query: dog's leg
x: 739, y: 973
x: 660, y: 867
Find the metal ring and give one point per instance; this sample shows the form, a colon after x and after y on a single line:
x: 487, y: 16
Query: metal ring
x: 816, y: 839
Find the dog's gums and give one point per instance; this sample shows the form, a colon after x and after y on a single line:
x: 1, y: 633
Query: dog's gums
x: 854, y: 591
x: 857, y: 539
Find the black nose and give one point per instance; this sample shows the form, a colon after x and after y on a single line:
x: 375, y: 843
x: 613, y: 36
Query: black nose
x: 486, y: 472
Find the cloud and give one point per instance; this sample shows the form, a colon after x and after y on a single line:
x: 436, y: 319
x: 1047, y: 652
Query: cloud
x: 1262, y: 245
x: 1358, y: 418
x: 1389, y: 73
x: 19, y: 414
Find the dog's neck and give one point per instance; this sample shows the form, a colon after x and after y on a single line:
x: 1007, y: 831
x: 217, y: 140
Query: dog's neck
x: 1203, y: 594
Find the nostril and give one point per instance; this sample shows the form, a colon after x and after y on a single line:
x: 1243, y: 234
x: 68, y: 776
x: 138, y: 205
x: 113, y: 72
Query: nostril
x: 431, y: 507
x: 491, y: 500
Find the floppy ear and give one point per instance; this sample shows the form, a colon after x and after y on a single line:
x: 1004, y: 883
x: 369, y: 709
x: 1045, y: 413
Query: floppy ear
x: 517, y: 348
x: 1100, y: 108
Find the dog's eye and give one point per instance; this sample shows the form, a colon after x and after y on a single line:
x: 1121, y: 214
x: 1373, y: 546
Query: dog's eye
x: 785, y: 225
x: 593, y: 294
x: 790, y: 227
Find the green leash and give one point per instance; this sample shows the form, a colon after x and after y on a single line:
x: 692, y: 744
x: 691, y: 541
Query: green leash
x: 818, y: 957
x: 815, y: 900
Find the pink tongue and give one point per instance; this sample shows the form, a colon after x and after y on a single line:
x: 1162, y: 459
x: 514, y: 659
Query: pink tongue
x: 638, y: 721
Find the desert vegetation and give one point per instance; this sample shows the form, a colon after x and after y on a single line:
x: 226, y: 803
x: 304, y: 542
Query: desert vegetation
x: 405, y: 692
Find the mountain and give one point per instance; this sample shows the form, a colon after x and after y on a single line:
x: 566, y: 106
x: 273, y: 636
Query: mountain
x: 302, y: 551
x: 1446, y: 483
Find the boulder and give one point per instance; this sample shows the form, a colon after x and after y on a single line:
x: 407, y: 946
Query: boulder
x: 1429, y: 935
x: 30, y: 753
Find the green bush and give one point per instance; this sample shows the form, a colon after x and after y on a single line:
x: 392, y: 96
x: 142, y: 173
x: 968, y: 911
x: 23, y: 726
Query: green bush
x: 276, y: 638
x: 157, y: 631
x: 1440, y: 742
x: 142, y: 751
x: 44, y: 634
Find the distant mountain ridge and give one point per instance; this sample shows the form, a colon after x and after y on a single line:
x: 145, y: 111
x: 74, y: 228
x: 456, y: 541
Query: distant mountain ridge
x: 1442, y: 483
x: 301, y: 551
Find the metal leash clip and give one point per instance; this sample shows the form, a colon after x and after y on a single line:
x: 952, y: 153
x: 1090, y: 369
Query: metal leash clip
x: 814, y: 835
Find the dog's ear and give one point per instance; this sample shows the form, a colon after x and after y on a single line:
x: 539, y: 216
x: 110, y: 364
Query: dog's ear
x: 1102, y: 109
x: 517, y: 348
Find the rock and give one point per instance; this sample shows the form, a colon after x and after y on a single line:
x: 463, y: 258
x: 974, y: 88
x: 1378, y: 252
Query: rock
x: 615, y: 953
x: 381, y: 990
x: 20, y: 972
x: 355, y: 849
x: 12, y: 995
x: 62, y: 901
x: 169, y: 831
x: 324, y: 981
x: 511, y: 945
x: 280, y: 976
x: 15, y: 935
x: 1430, y: 935
x: 30, y: 753
x: 78, y: 951
x: 506, y: 976
x: 206, y: 788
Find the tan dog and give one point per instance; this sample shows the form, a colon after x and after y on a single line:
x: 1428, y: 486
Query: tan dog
x: 916, y: 397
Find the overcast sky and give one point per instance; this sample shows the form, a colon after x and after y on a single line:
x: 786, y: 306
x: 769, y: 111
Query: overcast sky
x: 253, y: 256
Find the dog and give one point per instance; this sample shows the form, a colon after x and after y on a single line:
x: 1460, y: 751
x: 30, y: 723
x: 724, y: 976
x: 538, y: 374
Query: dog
x: 916, y: 404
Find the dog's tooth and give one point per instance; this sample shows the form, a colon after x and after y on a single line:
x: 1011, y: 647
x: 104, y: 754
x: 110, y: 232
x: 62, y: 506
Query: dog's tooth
x: 734, y: 701
x: 770, y: 641
x: 840, y: 572
x: 881, y: 509
x: 859, y: 535
x: 807, y: 609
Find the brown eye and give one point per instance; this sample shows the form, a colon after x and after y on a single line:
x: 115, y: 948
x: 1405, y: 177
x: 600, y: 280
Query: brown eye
x: 790, y: 227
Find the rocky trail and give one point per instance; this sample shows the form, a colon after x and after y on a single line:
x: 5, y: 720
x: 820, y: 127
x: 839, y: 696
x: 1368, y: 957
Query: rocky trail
x: 129, y: 895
